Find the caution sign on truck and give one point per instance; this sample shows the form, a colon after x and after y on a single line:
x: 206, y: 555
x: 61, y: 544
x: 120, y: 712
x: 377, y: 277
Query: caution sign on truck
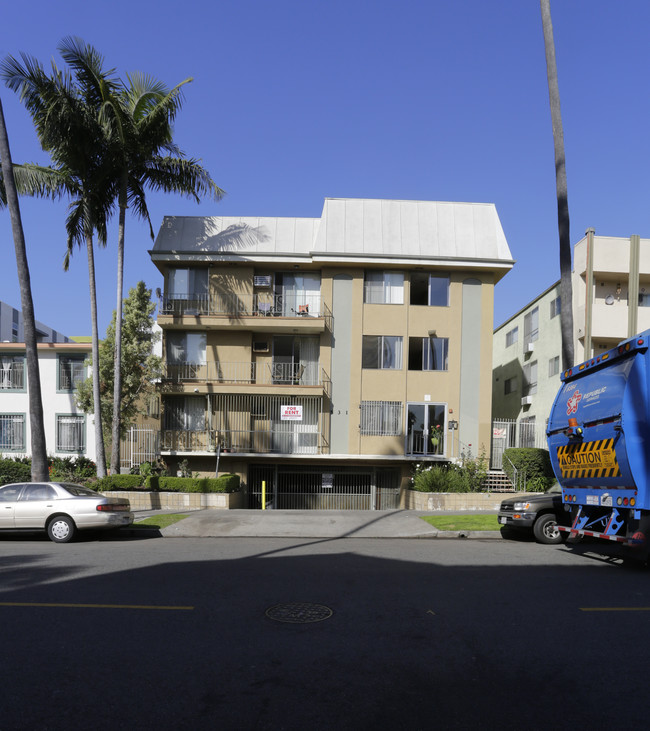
x: 588, y: 459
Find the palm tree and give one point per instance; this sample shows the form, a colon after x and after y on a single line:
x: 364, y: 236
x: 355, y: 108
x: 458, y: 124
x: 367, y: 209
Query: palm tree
x: 566, y: 294
x: 69, y: 130
x: 138, y: 121
x: 9, y: 197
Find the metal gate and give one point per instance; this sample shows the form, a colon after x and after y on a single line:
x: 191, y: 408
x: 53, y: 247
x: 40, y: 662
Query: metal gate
x: 507, y: 433
x: 139, y: 445
x: 318, y: 487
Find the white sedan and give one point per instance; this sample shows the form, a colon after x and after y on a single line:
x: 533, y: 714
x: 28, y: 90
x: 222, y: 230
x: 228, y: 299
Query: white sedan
x: 60, y: 508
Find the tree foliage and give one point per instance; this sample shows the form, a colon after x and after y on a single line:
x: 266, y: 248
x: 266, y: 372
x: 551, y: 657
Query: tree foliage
x: 140, y: 367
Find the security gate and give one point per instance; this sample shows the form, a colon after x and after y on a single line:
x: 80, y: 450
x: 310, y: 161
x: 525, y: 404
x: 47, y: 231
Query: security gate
x: 137, y: 446
x: 318, y: 487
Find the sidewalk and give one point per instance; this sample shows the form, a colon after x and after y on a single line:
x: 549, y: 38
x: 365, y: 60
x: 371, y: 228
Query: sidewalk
x: 311, y: 524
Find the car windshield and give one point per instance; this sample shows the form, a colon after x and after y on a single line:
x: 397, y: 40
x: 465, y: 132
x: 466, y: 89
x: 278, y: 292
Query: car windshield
x: 78, y: 490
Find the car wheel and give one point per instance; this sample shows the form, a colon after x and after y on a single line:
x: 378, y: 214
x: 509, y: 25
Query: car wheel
x: 61, y: 529
x: 545, y: 529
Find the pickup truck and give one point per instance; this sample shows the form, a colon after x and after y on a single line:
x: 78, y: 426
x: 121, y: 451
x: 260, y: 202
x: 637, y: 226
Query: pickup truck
x: 540, y: 514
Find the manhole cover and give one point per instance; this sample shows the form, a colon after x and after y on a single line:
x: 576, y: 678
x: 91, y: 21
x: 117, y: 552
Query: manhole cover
x: 299, y: 612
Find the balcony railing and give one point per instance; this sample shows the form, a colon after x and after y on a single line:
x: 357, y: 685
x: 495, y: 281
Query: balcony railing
x: 12, y: 377
x: 259, y: 304
x: 262, y: 374
x: 418, y: 443
x: 271, y: 441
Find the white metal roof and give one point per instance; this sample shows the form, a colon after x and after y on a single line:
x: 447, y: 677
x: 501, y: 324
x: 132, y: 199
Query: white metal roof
x: 349, y: 227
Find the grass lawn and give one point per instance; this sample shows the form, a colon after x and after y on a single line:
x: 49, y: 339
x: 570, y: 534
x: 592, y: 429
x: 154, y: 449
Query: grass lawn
x: 159, y: 521
x: 462, y: 522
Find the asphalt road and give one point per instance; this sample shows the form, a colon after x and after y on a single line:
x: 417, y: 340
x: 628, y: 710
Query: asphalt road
x: 212, y: 633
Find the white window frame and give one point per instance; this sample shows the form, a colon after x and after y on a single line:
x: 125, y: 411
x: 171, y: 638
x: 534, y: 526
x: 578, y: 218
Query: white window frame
x: 383, y: 287
x: 512, y: 337
x: 15, y: 423
x: 389, y: 347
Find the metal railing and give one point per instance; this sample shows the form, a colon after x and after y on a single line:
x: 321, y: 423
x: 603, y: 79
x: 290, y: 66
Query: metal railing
x: 12, y: 377
x: 257, y: 304
x: 269, y: 441
x: 263, y: 374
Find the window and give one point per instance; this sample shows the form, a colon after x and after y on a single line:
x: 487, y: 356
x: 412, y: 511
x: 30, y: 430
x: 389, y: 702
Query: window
x: 12, y: 372
x: 530, y: 379
x: 644, y: 300
x: 512, y: 337
x: 510, y: 385
x: 381, y: 418
x: 70, y: 433
x: 185, y: 413
x: 428, y: 354
x: 531, y: 326
x: 382, y: 351
x: 297, y: 293
x: 186, y: 347
x: 429, y: 289
x: 185, y: 284
x: 555, y: 307
x: 384, y: 288
x: 12, y: 432
x: 553, y: 366
x: 71, y: 372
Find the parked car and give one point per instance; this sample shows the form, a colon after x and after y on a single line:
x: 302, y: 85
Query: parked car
x: 60, y: 508
x: 540, y: 514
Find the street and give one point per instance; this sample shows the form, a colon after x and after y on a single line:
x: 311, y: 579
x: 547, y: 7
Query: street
x: 242, y: 633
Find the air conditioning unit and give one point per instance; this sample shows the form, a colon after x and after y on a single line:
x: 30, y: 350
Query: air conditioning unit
x: 262, y: 280
x: 529, y: 347
x: 261, y: 346
x: 526, y: 400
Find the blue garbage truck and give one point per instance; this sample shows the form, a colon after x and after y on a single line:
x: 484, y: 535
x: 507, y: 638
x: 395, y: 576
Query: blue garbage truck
x: 599, y: 442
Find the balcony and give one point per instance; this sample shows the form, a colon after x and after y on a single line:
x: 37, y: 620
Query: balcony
x: 276, y: 440
x: 248, y: 374
x: 258, y: 311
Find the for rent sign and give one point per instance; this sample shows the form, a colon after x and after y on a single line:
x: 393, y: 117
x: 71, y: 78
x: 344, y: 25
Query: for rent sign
x: 291, y: 413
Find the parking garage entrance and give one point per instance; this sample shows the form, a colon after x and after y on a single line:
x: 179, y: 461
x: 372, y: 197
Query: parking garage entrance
x: 323, y: 487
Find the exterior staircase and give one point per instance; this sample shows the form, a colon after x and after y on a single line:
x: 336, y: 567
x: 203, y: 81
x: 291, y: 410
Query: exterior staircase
x: 497, y: 481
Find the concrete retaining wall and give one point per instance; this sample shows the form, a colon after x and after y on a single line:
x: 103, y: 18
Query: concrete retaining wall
x: 453, y: 500
x: 141, y: 500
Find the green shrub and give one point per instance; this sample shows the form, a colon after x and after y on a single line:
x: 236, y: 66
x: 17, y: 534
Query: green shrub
x: 118, y: 482
x: 181, y: 484
x: 533, y: 464
x: 151, y: 483
x: 467, y: 476
x: 225, y: 483
x: 15, y: 471
x: 72, y: 469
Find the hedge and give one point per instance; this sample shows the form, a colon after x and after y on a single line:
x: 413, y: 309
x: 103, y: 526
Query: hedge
x: 119, y: 482
x: 12, y: 471
x: 533, y: 463
x: 161, y: 483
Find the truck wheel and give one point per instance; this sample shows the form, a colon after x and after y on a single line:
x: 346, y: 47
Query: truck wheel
x: 545, y: 529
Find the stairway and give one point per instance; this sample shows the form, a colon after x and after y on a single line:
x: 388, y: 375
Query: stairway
x: 497, y: 481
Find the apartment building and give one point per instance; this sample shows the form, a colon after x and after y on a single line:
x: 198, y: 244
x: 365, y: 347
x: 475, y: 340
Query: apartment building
x: 611, y: 302
x: 68, y: 431
x: 324, y: 356
x: 526, y: 373
x: 12, y: 328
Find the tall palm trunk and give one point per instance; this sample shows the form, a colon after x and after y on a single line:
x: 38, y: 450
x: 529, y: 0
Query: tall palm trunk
x: 39, y: 450
x: 566, y: 292
x: 117, y: 370
x: 99, y: 432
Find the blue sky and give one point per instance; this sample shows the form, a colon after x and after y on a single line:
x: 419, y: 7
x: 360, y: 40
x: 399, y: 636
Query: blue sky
x: 295, y: 100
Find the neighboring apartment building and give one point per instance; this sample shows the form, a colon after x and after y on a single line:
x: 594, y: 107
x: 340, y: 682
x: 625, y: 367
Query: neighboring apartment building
x: 12, y: 330
x: 68, y: 431
x: 611, y: 302
x: 526, y: 373
x: 325, y: 356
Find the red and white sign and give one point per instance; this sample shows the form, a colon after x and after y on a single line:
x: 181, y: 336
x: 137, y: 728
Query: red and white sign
x: 290, y: 413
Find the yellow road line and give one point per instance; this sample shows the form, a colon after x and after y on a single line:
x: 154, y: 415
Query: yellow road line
x: 615, y: 609
x: 91, y: 606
